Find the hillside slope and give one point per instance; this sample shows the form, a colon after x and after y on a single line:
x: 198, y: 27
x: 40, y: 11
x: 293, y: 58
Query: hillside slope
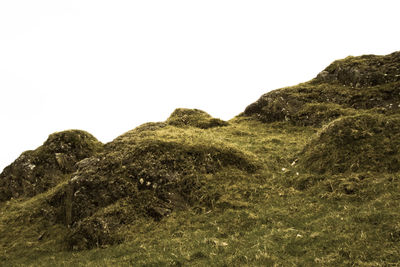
x: 306, y: 175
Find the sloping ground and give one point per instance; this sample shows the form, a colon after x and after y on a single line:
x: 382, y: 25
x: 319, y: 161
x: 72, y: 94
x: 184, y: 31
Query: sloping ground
x: 307, y: 175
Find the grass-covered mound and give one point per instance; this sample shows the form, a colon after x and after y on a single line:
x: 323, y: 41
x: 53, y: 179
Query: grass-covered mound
x: 38, y: 170
x: 142, y: 173
x: 182, y: 117
x: 366, y: 142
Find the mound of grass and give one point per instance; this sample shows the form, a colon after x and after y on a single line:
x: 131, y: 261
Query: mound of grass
x: 364, y: 142
x: 38, y: 170
x: 182, y: 117
x: 151, y: 173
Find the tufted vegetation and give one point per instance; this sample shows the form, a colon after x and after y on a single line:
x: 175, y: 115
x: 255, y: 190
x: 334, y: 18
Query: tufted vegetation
x: 308, y: 175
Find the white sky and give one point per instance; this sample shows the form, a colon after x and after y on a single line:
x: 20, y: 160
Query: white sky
x: 108, y: 66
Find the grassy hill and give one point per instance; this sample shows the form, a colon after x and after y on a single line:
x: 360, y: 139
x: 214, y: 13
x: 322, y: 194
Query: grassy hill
x: 307, y: 175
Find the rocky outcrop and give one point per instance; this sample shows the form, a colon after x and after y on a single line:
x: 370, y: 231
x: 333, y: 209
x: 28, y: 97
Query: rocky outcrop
x: 367, y: 70
x: 38, y: 170
x: 354, y: 83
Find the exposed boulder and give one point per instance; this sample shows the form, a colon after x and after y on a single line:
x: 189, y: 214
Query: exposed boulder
x: 38, y: 170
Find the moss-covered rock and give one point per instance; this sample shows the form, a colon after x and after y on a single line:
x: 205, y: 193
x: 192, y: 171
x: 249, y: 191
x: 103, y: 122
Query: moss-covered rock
x: 367, y: 70
x: 182, y: 117
x: 38, y: 170
x: 365, y: 142
x: 348, y: 85
x: 297, y: 108
x: 277, y: 105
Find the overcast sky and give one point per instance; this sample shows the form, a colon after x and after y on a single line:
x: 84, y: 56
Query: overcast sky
x: 109, y: 66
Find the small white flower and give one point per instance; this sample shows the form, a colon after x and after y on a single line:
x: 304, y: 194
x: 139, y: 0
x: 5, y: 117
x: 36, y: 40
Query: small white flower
x: 141, y: 181
x: 31, y: 166
x: 283, y: 169
x: 297, y: 173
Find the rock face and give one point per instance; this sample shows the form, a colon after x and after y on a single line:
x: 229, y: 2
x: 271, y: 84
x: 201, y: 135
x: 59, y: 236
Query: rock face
x: 38, y: 170
x: 345, y: 86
